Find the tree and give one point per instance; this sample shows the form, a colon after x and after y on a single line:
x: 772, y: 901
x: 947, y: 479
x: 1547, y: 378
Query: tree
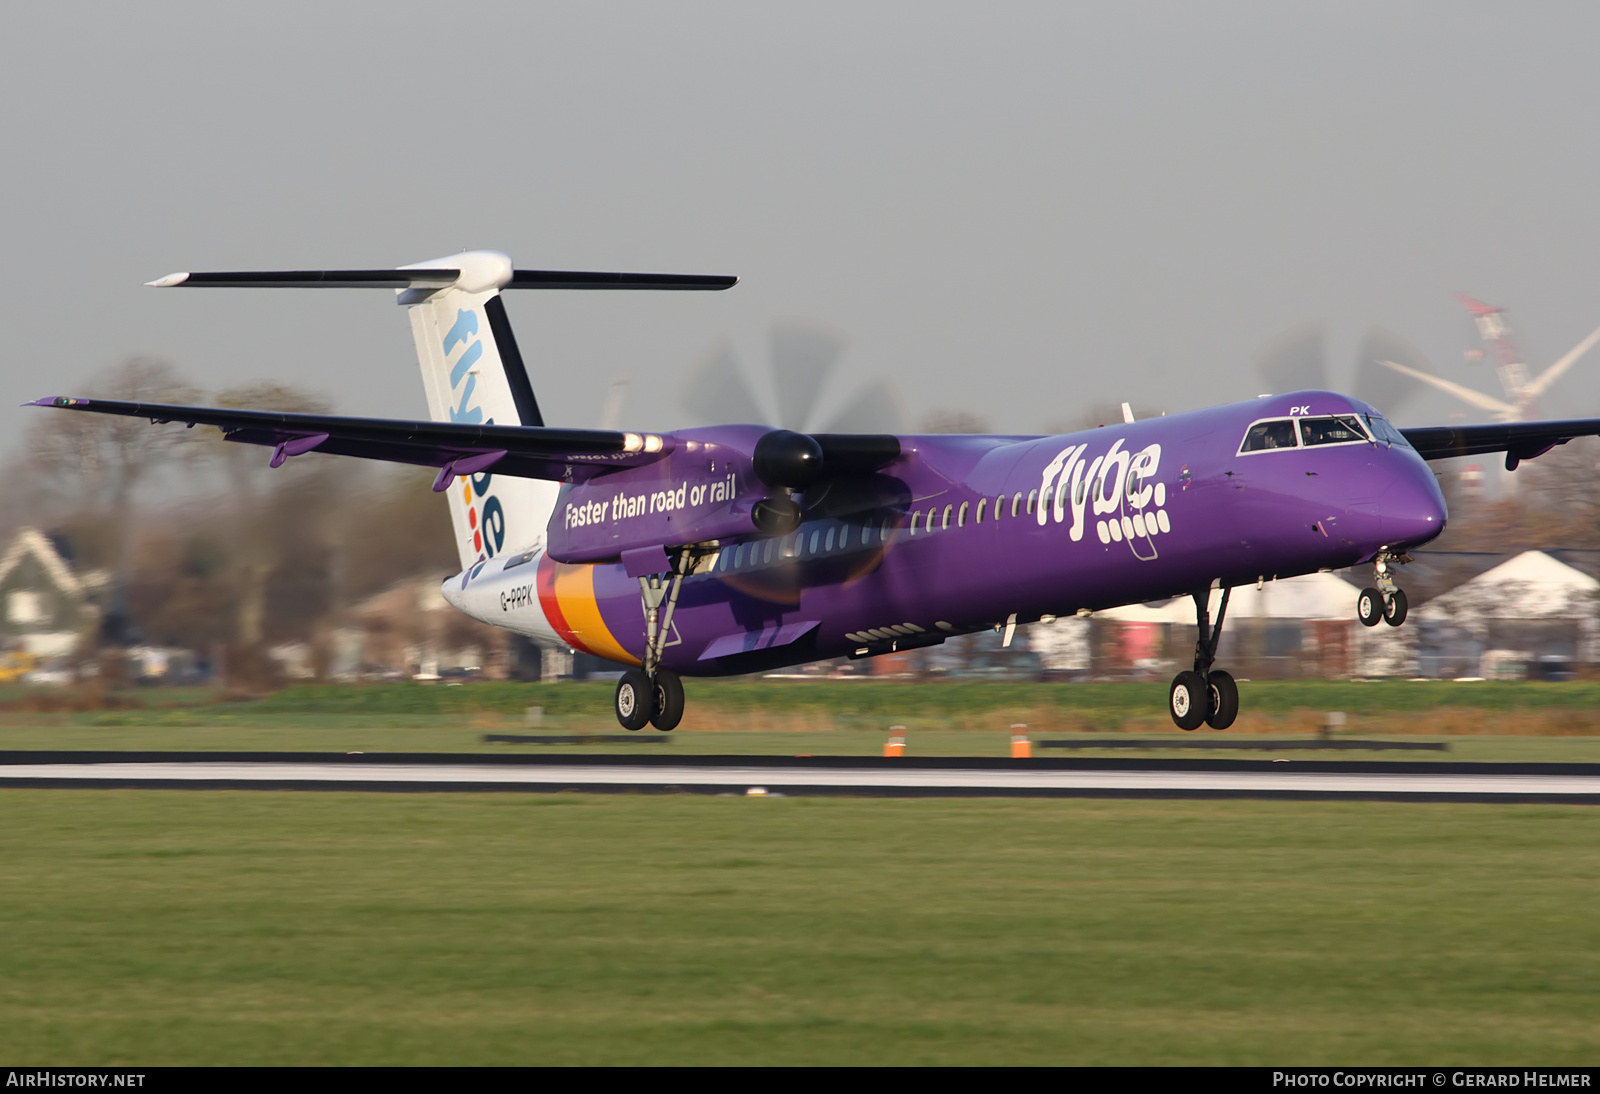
x: 94, y: 464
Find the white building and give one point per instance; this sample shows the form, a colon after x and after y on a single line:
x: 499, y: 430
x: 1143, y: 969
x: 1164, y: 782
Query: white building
x: 1531, y: 615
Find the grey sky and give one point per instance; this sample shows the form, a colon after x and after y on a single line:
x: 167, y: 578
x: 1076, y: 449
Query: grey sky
x: 1015, y: 209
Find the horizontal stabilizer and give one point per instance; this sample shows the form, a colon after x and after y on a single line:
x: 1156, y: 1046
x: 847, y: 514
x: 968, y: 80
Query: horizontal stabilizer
x: 438, y: 278
x: 571, y: 455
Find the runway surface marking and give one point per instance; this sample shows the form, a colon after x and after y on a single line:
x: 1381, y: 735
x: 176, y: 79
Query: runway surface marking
x: 863, y: 779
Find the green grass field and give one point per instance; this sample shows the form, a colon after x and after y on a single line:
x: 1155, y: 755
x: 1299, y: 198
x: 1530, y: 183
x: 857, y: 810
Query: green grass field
x: 205, y: 927
x: 1484, y: 721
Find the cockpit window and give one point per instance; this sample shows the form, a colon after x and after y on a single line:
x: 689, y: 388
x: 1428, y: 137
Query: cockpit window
x: 1268, y: 435
x: 1385, y: 432
x: 1338, y: 429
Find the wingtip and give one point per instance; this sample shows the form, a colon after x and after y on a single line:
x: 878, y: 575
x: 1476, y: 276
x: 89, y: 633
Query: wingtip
x: 169, y: 281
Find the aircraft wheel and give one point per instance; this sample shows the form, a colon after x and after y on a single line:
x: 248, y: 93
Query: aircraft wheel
x: 1189, y: 701
x: 636, y: 699
x: 1394, y: 609
x: 1369, y: 607
x: 668, y: 701
x: 1224, y: 700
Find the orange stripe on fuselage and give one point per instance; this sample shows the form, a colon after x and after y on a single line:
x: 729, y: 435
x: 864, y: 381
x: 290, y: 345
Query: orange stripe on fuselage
x: 546, y: 581
x: 566, y: 593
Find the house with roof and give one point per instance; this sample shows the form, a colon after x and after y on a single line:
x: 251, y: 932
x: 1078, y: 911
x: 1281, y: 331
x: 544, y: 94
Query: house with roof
x: 47, y: 608
x: 1536, y: 614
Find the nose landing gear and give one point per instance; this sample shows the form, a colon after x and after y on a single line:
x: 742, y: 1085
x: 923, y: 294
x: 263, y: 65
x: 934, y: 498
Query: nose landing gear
x: 1203, y: 694
x: 1388, y: 601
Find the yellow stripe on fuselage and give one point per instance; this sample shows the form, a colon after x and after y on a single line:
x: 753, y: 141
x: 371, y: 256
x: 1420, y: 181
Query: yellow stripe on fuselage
x: 574, y: 587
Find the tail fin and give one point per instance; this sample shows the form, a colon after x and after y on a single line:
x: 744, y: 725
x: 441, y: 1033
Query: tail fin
x: 473, y: 374
x: 471, y: 368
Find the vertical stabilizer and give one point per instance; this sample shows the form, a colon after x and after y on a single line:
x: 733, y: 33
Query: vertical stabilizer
x: 470, y: 365
x: 473, y: 373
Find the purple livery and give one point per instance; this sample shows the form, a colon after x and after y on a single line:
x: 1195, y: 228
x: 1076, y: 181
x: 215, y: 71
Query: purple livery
x: 740, y: 548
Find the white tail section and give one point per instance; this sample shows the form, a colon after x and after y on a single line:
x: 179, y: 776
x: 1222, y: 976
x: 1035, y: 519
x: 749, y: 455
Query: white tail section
x: 465, y: 374
x: 470, y: 366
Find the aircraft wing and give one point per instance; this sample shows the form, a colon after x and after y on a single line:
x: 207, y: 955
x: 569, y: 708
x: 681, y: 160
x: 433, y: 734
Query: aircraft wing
x: 1518, y: 440
x: 456, y: 448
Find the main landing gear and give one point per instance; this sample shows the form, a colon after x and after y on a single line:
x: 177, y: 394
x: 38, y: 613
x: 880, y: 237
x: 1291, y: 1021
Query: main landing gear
x: 1388, y: 601
x: 656, y: 699
x: 1205, y: 694
x: 652, y: 694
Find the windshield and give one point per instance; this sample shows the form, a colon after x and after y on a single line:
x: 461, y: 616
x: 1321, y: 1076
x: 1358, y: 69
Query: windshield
x: 1336, y: 429
x: 1268, y: 435
x: 1385, y: 432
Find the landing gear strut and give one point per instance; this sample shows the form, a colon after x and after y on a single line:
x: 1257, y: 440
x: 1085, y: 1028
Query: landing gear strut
x: 1204, y: 694
x: 1387, y: 601
x: 653, y: 694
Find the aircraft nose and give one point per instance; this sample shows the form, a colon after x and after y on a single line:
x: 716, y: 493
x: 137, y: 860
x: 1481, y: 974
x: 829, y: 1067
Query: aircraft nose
x: 1412, y: 508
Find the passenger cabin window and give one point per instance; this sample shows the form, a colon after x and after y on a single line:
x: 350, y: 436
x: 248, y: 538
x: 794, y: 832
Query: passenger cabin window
x: 1016, y: 503
x: 1033, y: 496
x: 1265, y: 436
x: 961, y: 517
x: 1338, y: 429
x: 983, y: 503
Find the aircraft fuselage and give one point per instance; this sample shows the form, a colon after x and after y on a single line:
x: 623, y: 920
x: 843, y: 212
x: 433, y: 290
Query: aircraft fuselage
x: 963, y: 533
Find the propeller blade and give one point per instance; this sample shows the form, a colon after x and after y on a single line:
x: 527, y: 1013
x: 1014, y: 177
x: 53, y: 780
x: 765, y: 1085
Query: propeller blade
x: 802, y: 358
x: 1383, y: 387
x: 846, y: 496
x: 1295, y: 359
x: 873, y: 409
x: 717, y: 392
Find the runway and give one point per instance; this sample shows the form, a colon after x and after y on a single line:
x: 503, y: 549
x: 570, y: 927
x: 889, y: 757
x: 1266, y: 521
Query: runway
x: 822, y: 775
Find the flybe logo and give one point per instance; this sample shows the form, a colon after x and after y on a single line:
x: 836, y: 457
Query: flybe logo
x: 1117, y: 490
x: 486, y: 517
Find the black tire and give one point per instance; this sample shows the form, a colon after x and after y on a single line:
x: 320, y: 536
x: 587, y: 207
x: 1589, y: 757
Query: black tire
x: 1224, y: 700
x: 668, y: 701
x: 1369, y: 607
x: 1394, y: 609
x: 635, y: 699
x: 1189, y: 701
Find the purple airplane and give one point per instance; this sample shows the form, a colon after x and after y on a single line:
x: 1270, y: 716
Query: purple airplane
x: 741, y: 548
